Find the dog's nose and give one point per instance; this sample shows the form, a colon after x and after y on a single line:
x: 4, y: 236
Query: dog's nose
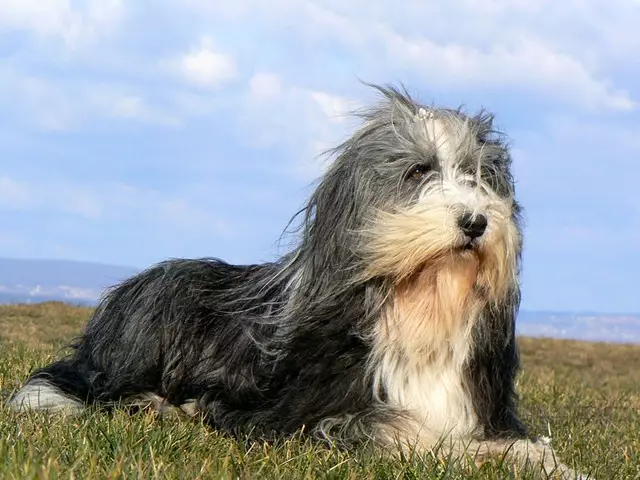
x: 472, y: 226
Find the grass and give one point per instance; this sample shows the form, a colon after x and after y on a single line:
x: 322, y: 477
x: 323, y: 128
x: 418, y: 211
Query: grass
x: 585, y: 396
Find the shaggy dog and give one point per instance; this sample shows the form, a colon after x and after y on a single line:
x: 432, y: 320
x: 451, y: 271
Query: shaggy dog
x: 392, y: 319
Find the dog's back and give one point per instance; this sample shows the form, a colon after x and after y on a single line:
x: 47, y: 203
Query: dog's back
x: 164, y: 332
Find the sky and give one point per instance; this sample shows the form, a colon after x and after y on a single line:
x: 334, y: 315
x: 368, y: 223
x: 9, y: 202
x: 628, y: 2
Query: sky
x: 135, y: 131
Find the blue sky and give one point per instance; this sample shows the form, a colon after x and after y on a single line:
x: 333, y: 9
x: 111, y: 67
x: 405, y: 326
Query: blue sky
x: 131, y: 132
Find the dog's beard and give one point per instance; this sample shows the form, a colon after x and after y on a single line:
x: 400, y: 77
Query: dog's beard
x: 441, y: 279
x: 425, y: 239
x: 432, y: 307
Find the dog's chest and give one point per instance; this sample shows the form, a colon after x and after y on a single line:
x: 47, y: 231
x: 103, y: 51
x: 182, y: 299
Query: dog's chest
x: 433, y: 393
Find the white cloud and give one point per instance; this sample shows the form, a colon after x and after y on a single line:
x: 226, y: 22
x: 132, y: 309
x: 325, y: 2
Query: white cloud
x: 265, y: 86
x: 334, y: 107
x: 76, y: 23
x: 465, y: 45
x: 52, y: 104
x: 529, y: 64
x: 560, y: 49
x: 204, y: 66
x: 303, y: 121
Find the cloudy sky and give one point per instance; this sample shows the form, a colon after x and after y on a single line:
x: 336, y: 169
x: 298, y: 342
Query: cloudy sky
x: 134, y: 131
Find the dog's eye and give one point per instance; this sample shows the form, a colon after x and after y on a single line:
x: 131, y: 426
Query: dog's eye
x: 417, y: 172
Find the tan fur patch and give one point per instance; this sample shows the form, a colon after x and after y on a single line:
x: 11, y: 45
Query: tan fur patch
x: 431, y: 307
x: 420, y: 348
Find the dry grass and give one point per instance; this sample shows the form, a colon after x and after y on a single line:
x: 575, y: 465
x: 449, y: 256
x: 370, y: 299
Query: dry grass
x: 586, y: 396
x: 41, y: 325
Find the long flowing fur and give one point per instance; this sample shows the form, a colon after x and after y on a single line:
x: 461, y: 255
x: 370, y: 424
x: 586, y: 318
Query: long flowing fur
x: 389, y: 321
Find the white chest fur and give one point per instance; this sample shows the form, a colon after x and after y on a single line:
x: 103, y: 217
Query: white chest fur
x: 420, y: 348
x: 431, y: 392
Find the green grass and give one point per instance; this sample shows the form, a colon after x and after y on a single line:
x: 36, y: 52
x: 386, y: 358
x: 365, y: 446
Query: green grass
x: 586, y: 397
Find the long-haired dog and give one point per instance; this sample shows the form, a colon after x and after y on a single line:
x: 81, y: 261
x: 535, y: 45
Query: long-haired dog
x: 392, y: 320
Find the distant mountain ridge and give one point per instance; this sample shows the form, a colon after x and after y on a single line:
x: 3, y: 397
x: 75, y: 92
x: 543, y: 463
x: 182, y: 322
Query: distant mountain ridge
x: 588, y: 326
x: 34, y: 281
x: 31, y: 280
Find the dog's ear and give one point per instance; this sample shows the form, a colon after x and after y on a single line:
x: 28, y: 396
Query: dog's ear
x: 493, y: 366
x: 331, y: 218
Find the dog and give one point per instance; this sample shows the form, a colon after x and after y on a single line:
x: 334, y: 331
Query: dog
x: 392, y: 319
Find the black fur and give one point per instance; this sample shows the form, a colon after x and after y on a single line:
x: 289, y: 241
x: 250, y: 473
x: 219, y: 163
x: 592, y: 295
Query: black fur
x: 170, y: 331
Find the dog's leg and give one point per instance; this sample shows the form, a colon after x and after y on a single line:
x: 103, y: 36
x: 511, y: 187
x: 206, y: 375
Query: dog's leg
x: 522, y: 453
x: 160, y: 405
x: 40, y: 394
x: 60, y: 387
x: 408, y: 438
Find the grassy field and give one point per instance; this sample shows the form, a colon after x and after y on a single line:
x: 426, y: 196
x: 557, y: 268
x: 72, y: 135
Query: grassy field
x: 586, y: 397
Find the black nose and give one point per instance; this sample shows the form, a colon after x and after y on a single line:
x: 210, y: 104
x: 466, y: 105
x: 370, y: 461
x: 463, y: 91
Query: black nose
x: 472, y: 226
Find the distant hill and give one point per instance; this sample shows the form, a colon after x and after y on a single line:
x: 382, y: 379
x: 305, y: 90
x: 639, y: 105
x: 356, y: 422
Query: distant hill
x: 34, y: 281
x: 30, y: 281
x: 586, y: 326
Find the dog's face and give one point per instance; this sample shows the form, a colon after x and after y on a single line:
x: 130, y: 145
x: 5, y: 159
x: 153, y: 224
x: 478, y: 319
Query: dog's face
x: 442, y: 195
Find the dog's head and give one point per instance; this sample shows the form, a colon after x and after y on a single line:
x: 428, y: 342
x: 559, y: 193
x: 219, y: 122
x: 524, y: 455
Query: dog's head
x: 419, y: 187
